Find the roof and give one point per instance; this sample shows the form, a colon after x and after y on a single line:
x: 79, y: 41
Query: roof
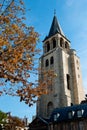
x: 38, y: 124
x: 44, y: 120
x: 40, y: 119
x: 55, y: 28
x: 62, y: 114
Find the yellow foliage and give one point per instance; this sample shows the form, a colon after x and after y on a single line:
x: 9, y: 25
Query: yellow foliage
x: 18, y: 56
x: 14, y: 26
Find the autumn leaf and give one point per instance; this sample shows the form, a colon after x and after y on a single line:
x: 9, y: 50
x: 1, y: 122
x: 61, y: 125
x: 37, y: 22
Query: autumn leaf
x: 19, y: 55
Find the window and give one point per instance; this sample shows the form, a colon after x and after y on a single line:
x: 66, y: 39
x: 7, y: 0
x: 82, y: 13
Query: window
x: 71, y: 114
x: 56, y: 116
x: 61, y: 42
x: 78, y: 68
x: 51, y: 60
x: 48, y: 47
x: 68, y: 81
x: 80, y: 113
x: 47, y: 63
x: 77, y: 62
x: 49, y: 108
x: 54, y: 43
x: 66, y: 45
x: 78, y: 76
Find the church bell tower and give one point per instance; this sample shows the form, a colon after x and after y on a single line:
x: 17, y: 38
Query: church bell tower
x: 67, y: 88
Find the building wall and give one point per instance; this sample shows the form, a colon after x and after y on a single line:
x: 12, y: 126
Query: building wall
x: 73, y: 125
x: 67, y: 87
x: 76, y: 78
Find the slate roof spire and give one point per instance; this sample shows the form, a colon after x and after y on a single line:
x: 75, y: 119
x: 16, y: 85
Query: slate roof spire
x: 55, y: 27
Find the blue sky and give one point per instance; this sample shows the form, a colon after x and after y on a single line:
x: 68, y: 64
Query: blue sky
x: 72, y: 16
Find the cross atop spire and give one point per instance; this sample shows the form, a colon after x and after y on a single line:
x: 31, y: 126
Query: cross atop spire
x: 54, y: 12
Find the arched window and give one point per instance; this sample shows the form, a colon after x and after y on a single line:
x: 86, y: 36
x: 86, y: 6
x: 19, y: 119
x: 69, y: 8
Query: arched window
x: 47, y: 63
x: 54, y: 43
x: 66, y: 45
x: 51, y: 60
x: 77, y: 62
x: 49, y: 108
x: 48, y: 47
x: 44, y: 47
x: 68, y: 81
x: 61, y: 42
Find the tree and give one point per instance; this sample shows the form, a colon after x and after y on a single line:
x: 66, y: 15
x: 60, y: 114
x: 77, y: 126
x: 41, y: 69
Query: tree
x: 85, y: 100
x: 2, y: 116
x: 8, y: 122
x: 18, y: 51
x: 13, y: 123
x: 18, y: 122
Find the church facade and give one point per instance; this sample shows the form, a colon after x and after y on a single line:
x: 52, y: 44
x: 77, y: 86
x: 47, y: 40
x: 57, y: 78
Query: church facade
x: 67, y: 87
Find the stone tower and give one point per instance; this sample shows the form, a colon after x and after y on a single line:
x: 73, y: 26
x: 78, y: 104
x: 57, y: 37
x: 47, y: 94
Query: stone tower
x: 67, y: 89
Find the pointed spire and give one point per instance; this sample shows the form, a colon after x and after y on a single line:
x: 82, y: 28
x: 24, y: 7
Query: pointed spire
x: 55, y: 27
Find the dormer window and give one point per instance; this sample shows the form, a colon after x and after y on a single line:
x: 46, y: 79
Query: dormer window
x: 56, y: 116
x: 71, y: 114
x: 80, y: 113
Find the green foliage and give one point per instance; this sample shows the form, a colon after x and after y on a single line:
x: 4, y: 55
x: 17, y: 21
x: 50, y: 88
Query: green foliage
x: 2, y: 116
